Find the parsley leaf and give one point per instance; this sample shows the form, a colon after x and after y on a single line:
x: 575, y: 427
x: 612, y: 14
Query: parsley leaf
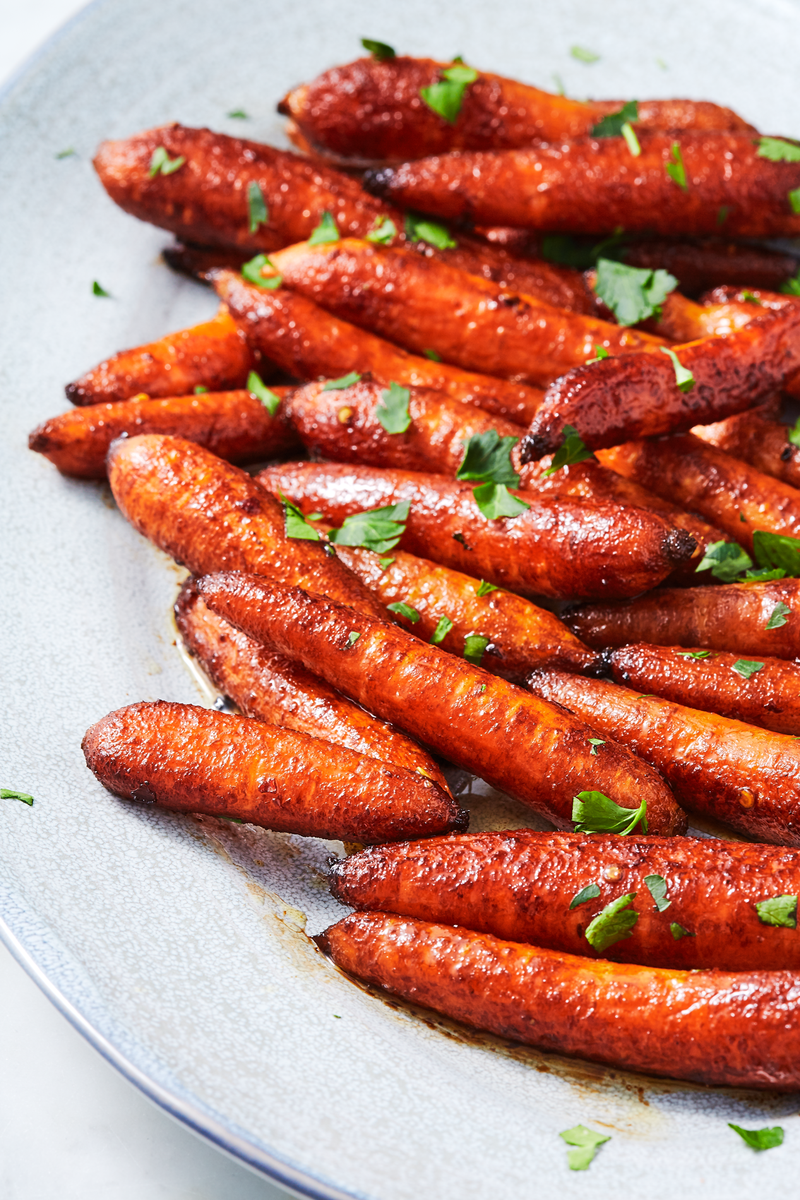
x: 778, y: 150
x: 256, y: 206
x: 592, y: 812
x: 10, y: 794
x: 432, y: 355
x: 377, y: 529
x: 484, y: 588
x: 631, y: 140
x: 238, y: 114
x: 683, y: 376
x: 793, y: 434
x: 495, y: 500
x: 657, y: 887
x: 385, y: 563
x: 404, y: 610
x: 675, y: 168
x: 296, y: 524
x: 571, y: 450
x: 382, y: 232
x: 97, y: 290
x: 594, y: 743
x: 725, y: 560
x: 584, y: 55
x: 487, y: 457
x: 763, y: 574
x: 251, y: 271
x: 199, y: 389
x: 778, y: 616
x: 611, y: 125
x: 722, y: 214
x: 259, y: 389
x: 345, y: 381
x: 446, y: 96
x: 600, y: 353
x: 563, y: 248
x: 441, y: 631
x: 746, y: 667
x: 325, y: 232
x: 632, y: 294
x: 612, y: 924
x: 590, y: 892
x: 392, y: 411
x: 779, y: 910
x: 694, y: 654
x: 794, y: 200
x: 679, y: 932
x: 70, y: 153
x: 474, y: 647
x: 750, y: 297
x: 759, y: 1139
x: 420, y: 229
x: 792, y: 287
x: 352, y: 637
x: 378, y: 50
x: 587, y: 1143
x: 777, y: 550
x: 162, y: 164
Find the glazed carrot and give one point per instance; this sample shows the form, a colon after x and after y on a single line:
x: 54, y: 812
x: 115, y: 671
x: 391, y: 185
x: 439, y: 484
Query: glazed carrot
x: 370, y: 110
x: 309, y: 343
x: 637, y: 395
x: 214, y: 355
x: 732, y: 494
x: 717, y: 1027
x: 595, y: 185
x: 708, y: 262
x: 557, y: 547
x: 758, y: 438
x: 718, y: 767
x: 769, y: 697
x: 197, y: 760
x: 682, y: 320
x: 271, y: 688
x: 423, y: 303
x: 733, y: 616
x: 235, y: 426
x: 510, y: 738
x: 519, y: 884
x: 212, y: 516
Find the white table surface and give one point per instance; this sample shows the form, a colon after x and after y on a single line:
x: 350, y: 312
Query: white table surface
x: 71, y: 1127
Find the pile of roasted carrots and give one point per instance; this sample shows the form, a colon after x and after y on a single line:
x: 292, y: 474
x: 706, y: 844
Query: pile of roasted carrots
x: 520, y: 369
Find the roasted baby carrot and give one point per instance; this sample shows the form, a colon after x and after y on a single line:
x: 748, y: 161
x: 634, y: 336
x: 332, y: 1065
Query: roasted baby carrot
x: 546, y: 889
x: 309, y: 343
x: 557, y: 546
x: 678, y: 184
x: 767, y: 694
x: 193, y: 759
x: 371, y: 111
x: 272, y: 688
x: 723, y: 489
x: 642, y: 395
x: 212, y: 516
x: 515, y: 741
x: 235, y: 426
x: 758, y: 438
x: 214, y: 355
x: 734, y: 616
x: 716, y: 1027
x: 423, y: 303
x: 718, y: 767
x: 708, y: 262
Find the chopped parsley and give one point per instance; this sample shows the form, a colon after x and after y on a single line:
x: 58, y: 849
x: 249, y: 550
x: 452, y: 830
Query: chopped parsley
x: 256, y: 206
x: 432, y: 355
x: 777, y: 550
x: 392, y: 410
x: 793, y: 433
x: 252, y: 272
x: 296, y: 524
x: 352, y: 637
x: 583, y: 55
x: 383, y: 231
x: 779, y: 910
x: 69, y: 153
x: 675, y: 168
x: 679, y: 932
x: 722, y: 214
x: 594, y: 743
x: 600, y: 353
x: 572, y: 450
x: 792, y: 287
x: 725, y: 560
x: 97, y: 290
x: 484, y: 588
x: 633, y: 294
x: 590, y: 892
x: 199, y: 389
x: 750, y: 297
x: 611, y: 125
x: 385, y: 563
x: 593, y: 812
x: 778, y: 616
x: 378, y: 50
x: 474, y: 647
x: 746, y: 667
x: 631, y: 140
x: 587, y: 1143
x: 794, y: 200
x: 612, y: 924
x: 446, y: 96
x: 694, y: 654
x: 238, y: 114
x: 759, y: 1139
x: 421, y: 229
x: 778, y: 150
x: 441, y: 631
x: 559, y: 82
x: 10, y: 794
x: 487, y: 458
x: 344, y: 381
x: 256, y: 385
x: 563, y: 248
x: 162, y: 164
x: 325, y: 232
x: 683, y: 376
x: 404, y: 610
x: 377, y: 529
x: 657, y: 887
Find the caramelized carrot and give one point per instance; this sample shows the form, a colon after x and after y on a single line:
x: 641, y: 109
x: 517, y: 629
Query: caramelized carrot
x: 759, y: 439
x: 708, y: 262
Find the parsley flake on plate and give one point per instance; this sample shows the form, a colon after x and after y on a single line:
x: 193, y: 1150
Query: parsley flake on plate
x: 725, y: 560
x: 344, y: 381
x: 583, y: 55
x: 98, y: 290
x: 778, y: 150
x: 404, y: 610
x: 746, y: 667
x: 392, y: 410
x: 252, y: 271
x: 586, y: 1143
x: 68, y: 153
x: 683, y: 376
x: 759, y: 1139
x: 383, y: 231
x: 446, y: 96
x: 593, y: 812
x: 778, y: 910
x: 377, y: 529
x: 256, y: 206
x: 612, y: 924
x: 632, y: 293
x: 443, y: 627
x: 474, y: 647
x: 10, y: 794
x: 572, y: 450
x: 162, y: 164
x: 255, y: 385
x: 422, y: 229
x: 675, y: 168
x: 590, y: 892
x: 325, y: 232
x: 238, y: 114
x: 378, y: 50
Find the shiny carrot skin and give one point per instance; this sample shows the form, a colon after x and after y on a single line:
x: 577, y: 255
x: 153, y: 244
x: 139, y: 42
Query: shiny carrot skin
x: 212, y: 516
x: 423, y: 303
x: 558, y: 547
x: 759, y: 439
x: 516, y: 742
x: 770, y: 698
x: 309, y: 343
x: 233, y: 425
x: 192, y: 759
x: 370, y: 110
x: 733, y: 616
x: 519, y: 884
x: 714, y: 1027
x: 683, y: 320
x: 272, y: 688
x: 213, y: 355
x: 637, y: 395
x: 522, y: 634
x: 708, y: 262
x: 723, y: 489
x: 595, y: 185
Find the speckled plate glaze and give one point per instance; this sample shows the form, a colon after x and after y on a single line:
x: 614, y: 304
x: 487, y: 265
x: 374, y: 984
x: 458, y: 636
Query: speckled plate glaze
x: 179, y: 946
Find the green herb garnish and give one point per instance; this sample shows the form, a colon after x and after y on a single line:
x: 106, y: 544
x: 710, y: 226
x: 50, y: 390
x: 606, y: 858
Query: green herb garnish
x: 594, y: 743
x: 750, y: 297
x: 238, y: 114
x: 97, y: 290
x: 10, y: 794
x: 631, y: 140
x: 421, y: 229
x: 793, y: 433
x: 792, y: 288
x: 778, y: 150
x: 794, y: 200
x: 611, y: 125
x: 600, y: 353
x: 777, y: 550
x: 746, y: 667
x: 683, y: 376
x: 256, y: 206
x: 694, y: 654
x: 484, y: 588
x: 779, y: 910
x: 759, y: 1139
x: 404, y: 610
x: 377, y: 529
x: 487, y: 457
x: 725, y: 560
x: 378, y: 50
x: 344, y: 381
x: 632, y: 294
x: 162, y: 164
x: 256, y: 385
x: 252, y: 272
x: 352, y: 637
x: 392, y: 410
x: 572, y: 450
x: 583, y: 55
x: 593, y: 812
x: 70, y: 153
x: 325, y: 232
x: 679, y: 932
x: 432, y: 355
x: 441, y: 631
x: 657, y: 887
x: 385, y: 563
x: 383, y: 231
x: 446, y: 96
x: 778, y: 616
x: 675, y: 168
x: 587, y: 1142
x: 590, y: 892
x: 722, y: 214
x: 474, y: 647
x: 612, y: 924
x: 296, y: 524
